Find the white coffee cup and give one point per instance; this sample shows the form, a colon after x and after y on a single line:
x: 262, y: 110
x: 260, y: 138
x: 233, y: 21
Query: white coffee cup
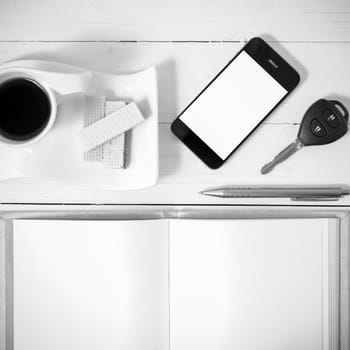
x: 56, y: 80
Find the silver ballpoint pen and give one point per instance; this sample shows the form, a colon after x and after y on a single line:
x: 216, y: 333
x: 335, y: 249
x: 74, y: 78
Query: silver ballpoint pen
x: 304, y: 193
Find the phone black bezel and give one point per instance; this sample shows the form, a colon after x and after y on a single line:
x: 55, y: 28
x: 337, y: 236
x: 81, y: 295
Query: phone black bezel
x: 262, y: 53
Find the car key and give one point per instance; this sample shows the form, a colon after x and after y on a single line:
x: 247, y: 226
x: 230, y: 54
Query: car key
x: 324, y: 122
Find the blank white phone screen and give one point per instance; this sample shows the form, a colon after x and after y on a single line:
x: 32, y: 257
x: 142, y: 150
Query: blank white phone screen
x: 230, y: 108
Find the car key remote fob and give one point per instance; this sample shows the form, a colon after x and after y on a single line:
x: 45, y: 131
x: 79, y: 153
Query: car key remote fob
x: 324, y: 122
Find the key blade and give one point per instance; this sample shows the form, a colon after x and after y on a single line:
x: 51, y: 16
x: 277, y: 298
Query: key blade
x: 282, y: 156
x: 267, y: 168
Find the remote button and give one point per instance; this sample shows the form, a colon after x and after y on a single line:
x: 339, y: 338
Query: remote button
x: 330, y: 118
x: 317, y: 128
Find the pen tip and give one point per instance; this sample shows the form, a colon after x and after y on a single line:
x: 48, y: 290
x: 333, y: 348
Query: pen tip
x: 214, y: 193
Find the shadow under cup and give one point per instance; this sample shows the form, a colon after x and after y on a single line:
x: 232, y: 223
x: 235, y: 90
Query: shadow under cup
x: 25, y: 109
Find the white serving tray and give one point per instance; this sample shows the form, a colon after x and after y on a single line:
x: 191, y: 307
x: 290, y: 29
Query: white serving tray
x: 58, y: 156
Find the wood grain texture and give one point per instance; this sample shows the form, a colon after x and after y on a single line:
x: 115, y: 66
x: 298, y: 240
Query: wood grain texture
x: 183, y: 175
x: 221, y: 20
x: 184, y: 69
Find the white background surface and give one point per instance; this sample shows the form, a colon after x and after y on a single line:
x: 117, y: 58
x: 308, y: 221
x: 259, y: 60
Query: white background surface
x: 190, y: 41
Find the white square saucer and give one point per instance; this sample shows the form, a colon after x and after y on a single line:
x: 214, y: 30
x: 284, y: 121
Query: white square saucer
x: 58, y: 155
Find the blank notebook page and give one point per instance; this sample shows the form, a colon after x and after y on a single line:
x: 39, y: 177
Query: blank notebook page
x: 249, y: 284
x: 174, y: 284
x: 81, y: 285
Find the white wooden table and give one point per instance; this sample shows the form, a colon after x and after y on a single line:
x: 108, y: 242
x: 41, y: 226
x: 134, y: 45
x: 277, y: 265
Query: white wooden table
x: 189, y: 41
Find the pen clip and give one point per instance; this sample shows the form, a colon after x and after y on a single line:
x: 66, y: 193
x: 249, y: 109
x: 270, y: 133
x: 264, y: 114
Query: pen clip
x: 315, y: 199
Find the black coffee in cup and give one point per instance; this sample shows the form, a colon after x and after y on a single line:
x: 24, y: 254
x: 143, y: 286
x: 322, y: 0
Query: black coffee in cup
x: 24, y: 109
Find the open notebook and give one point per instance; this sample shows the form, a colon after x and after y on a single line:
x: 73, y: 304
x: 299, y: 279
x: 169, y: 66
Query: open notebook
x: 175, y: 284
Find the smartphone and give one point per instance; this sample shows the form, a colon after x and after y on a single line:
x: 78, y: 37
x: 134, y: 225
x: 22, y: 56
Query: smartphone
x: 235, y: 103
